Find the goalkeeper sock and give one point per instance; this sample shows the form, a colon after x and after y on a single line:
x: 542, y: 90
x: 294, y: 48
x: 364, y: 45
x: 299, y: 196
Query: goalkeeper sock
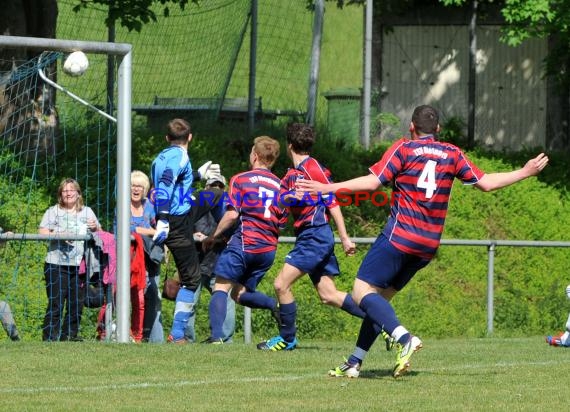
x: 182, y: 311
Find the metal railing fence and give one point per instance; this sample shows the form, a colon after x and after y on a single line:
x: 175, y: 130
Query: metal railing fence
x: 490, y: 244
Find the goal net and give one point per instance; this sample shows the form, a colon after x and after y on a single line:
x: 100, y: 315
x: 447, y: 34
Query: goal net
x: 200, y: 57
x: 45, y: 137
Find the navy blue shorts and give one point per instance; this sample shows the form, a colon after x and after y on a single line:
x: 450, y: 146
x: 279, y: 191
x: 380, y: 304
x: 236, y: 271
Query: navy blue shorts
x: 313, y: 253
x: 385, y: 266
x: 247, y: 269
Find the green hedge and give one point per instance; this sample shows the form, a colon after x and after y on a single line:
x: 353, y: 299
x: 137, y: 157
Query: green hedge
x: 448, y: 298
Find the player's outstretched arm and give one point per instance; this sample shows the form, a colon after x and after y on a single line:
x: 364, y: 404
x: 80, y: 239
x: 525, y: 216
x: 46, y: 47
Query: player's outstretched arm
x: 227, y: 221
x: 347, y: 244
x: 494, y: 181
x: 368, y: 182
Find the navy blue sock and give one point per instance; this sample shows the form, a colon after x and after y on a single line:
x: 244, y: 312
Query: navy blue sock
x: 350, y: 306
x: 380, y: 312
x: 218, y: 307
x: 404, y: 338
x: 369, y: 331
x: 353, y: 360
x: 257, y: 300
x: 288, y: 313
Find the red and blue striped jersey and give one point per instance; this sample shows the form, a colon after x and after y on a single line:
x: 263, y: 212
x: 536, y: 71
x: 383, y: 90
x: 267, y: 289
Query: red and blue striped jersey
x: 253, y: 194
x: 421, y: 172
x: 313, y: 209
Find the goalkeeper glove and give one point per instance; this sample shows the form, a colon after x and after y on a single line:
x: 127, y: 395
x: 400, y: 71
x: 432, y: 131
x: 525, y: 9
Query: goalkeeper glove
x: 209, y: 171
x: 162, y: 229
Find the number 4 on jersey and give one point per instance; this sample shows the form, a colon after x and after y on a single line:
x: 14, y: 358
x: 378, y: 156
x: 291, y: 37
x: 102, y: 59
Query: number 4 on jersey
x: 427, y: 179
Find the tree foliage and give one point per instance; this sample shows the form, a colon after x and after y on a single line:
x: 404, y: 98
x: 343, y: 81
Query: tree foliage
x: 132, y: 14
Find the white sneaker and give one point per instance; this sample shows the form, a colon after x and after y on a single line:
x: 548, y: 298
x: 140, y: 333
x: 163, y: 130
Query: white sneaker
x: 346, y: 369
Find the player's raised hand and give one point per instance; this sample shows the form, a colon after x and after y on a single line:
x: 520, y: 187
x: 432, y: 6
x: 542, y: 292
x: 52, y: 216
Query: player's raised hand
x: 214, y: 172
x: 210, y: 170
x: 202, y: 170
x: 535, y: 166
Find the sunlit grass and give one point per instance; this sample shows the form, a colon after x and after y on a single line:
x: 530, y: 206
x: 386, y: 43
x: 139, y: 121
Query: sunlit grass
x: 455, y: 374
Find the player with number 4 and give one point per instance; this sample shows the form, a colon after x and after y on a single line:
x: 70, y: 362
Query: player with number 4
x: 251, y: 248
x: 421, y: 171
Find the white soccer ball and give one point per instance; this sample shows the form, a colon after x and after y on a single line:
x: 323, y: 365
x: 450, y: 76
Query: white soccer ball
x: 568, y: 291
x: 76, y: 64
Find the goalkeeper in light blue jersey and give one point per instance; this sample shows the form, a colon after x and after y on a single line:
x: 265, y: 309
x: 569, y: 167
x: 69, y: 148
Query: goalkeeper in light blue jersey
x: 172, y: 176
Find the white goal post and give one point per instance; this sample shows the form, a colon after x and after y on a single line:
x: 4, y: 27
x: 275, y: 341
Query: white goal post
x: 123, y: 52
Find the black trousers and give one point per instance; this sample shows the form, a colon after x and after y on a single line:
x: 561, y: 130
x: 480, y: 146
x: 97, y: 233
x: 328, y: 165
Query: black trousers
x: 65, y: 288
x: 180, y: 240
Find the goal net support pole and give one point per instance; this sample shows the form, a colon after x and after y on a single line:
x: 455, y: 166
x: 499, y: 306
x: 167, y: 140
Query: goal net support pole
x: 74, y: 96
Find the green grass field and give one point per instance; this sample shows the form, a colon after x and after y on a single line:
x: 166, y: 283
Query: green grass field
x: 523, y: 374
x: 514, y: 374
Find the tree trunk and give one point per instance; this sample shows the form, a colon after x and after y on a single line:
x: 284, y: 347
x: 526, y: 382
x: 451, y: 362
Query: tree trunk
x: 27, y: 108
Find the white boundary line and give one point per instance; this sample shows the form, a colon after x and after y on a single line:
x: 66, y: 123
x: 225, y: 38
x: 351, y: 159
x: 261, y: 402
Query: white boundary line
x: 143, y: 385
x: 187, y: 383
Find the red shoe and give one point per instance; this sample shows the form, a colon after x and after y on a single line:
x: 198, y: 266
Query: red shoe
x: 182, y: 341
x: 555, y: 340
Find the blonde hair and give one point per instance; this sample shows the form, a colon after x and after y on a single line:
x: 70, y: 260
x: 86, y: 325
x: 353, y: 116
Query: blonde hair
x: 73, y: 182
x: 139, y: 178
x: 267, y: 149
